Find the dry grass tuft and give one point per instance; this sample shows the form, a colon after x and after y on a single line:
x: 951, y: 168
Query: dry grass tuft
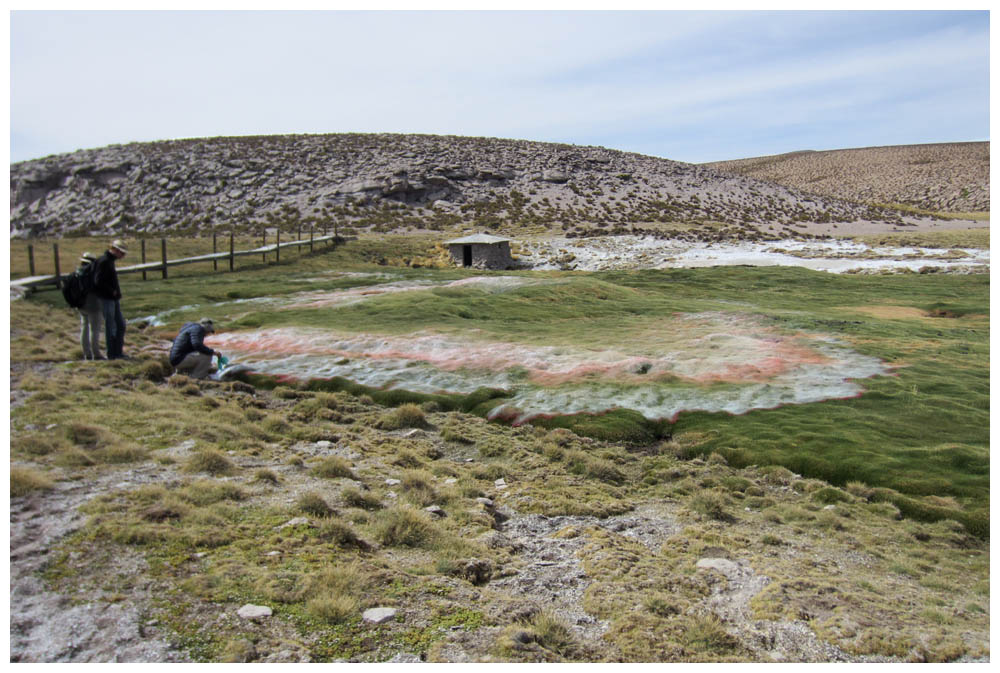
x: 354, y: 497
x: 334, y: 608
x: 334, y: 467
x: 403, y: 416
x: 24, y: 481
x: 210, y: 461
x: 405, y: 526
x: 314, y: 504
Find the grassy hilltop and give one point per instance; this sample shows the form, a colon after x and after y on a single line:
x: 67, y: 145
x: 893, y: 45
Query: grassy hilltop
x: 863, y: 522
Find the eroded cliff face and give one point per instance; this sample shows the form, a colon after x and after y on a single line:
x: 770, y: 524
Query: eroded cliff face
x: 390, y: 181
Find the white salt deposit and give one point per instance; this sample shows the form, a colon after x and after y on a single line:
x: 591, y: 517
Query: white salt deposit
x: 643, y: 252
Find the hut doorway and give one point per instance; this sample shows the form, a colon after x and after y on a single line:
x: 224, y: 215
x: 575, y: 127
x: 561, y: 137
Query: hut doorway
x: 466, y: 255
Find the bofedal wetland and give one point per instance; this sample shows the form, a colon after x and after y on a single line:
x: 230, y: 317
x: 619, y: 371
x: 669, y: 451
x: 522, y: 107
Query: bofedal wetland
x: 765, y: 407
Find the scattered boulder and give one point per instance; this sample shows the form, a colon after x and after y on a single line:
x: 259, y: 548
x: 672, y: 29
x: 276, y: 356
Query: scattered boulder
x: 253, y: 612
x: 724, y: 566
x: 378, y: 615
x: 557, y: 177
x: 297, y: 521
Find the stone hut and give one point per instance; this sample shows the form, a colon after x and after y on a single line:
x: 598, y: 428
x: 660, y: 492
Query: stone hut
x: 481, y: 251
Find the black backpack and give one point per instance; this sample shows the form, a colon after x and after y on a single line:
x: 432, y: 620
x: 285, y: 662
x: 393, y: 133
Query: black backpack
x: 78, y: 284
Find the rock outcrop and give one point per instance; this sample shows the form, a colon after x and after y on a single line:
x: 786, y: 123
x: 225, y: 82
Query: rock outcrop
x: 386, y: 182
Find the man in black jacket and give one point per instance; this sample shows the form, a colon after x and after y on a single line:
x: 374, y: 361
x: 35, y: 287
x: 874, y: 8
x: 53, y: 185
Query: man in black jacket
x: 189, y: 354
x: 109, y: 293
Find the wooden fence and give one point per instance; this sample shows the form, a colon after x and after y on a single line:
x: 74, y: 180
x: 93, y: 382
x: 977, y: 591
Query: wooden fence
x: 33, y: 282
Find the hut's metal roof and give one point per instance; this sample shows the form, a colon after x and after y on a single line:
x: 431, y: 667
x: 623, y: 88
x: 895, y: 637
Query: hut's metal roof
x: 477, y: 238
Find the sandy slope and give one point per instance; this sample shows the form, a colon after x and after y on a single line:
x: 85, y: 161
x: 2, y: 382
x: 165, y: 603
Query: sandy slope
x: 950, y: 177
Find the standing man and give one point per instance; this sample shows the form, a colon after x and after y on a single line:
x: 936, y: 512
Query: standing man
x: 109, y: 293
x: 91, y: 314
x: 189, y: 355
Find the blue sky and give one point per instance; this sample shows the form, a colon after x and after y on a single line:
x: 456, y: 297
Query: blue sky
x: 690, y: 86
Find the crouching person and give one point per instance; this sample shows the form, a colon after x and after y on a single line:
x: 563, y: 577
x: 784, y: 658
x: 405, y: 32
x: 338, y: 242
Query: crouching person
x: 189, y: 355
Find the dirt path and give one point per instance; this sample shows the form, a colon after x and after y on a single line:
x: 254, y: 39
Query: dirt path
x: 50, y: 627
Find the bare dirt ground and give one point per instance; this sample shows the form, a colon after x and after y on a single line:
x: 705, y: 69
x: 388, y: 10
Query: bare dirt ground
x: 912, y: 225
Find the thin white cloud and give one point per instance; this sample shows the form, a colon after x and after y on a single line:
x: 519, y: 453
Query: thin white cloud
x: 92, y: 78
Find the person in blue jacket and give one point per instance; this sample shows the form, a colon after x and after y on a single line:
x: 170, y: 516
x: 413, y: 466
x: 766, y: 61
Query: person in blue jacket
x: 189, y: 355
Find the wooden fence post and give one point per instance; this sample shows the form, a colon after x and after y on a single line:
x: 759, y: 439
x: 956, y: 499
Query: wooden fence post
x: 232, y: 250
x: 142, y: 247
x: 263, y: 242
x: 31, y: 259
x: 215, y: 262
x: 55, y: 254
x: 277, y: 245
x: 163, y: 252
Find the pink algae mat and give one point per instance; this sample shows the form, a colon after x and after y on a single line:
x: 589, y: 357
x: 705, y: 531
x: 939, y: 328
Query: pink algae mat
x: 709, y: 361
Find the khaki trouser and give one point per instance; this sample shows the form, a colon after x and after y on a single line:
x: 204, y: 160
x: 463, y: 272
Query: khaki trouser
x: 91, y: 319
x: 196, y: 365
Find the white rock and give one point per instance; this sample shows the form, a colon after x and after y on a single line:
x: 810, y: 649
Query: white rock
x: 451, y: 480
x: 323, y: 444
x: 393, y: 482
x: 297, y: 521
x: 724, y: 566
x: 435, y: 510
x: 250, y: 611
x: 378, y: 615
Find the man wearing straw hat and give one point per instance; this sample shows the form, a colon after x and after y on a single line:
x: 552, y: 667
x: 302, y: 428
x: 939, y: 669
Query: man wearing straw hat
x: 109, y: 293
x: 91, y: 315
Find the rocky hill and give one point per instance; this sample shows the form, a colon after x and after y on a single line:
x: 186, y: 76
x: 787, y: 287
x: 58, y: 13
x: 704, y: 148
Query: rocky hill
x: 386, y: 182
x: 945, y: 177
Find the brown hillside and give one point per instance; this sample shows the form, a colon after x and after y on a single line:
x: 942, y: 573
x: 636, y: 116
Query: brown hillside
x: 382, y: 182
x: 948, y: 177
